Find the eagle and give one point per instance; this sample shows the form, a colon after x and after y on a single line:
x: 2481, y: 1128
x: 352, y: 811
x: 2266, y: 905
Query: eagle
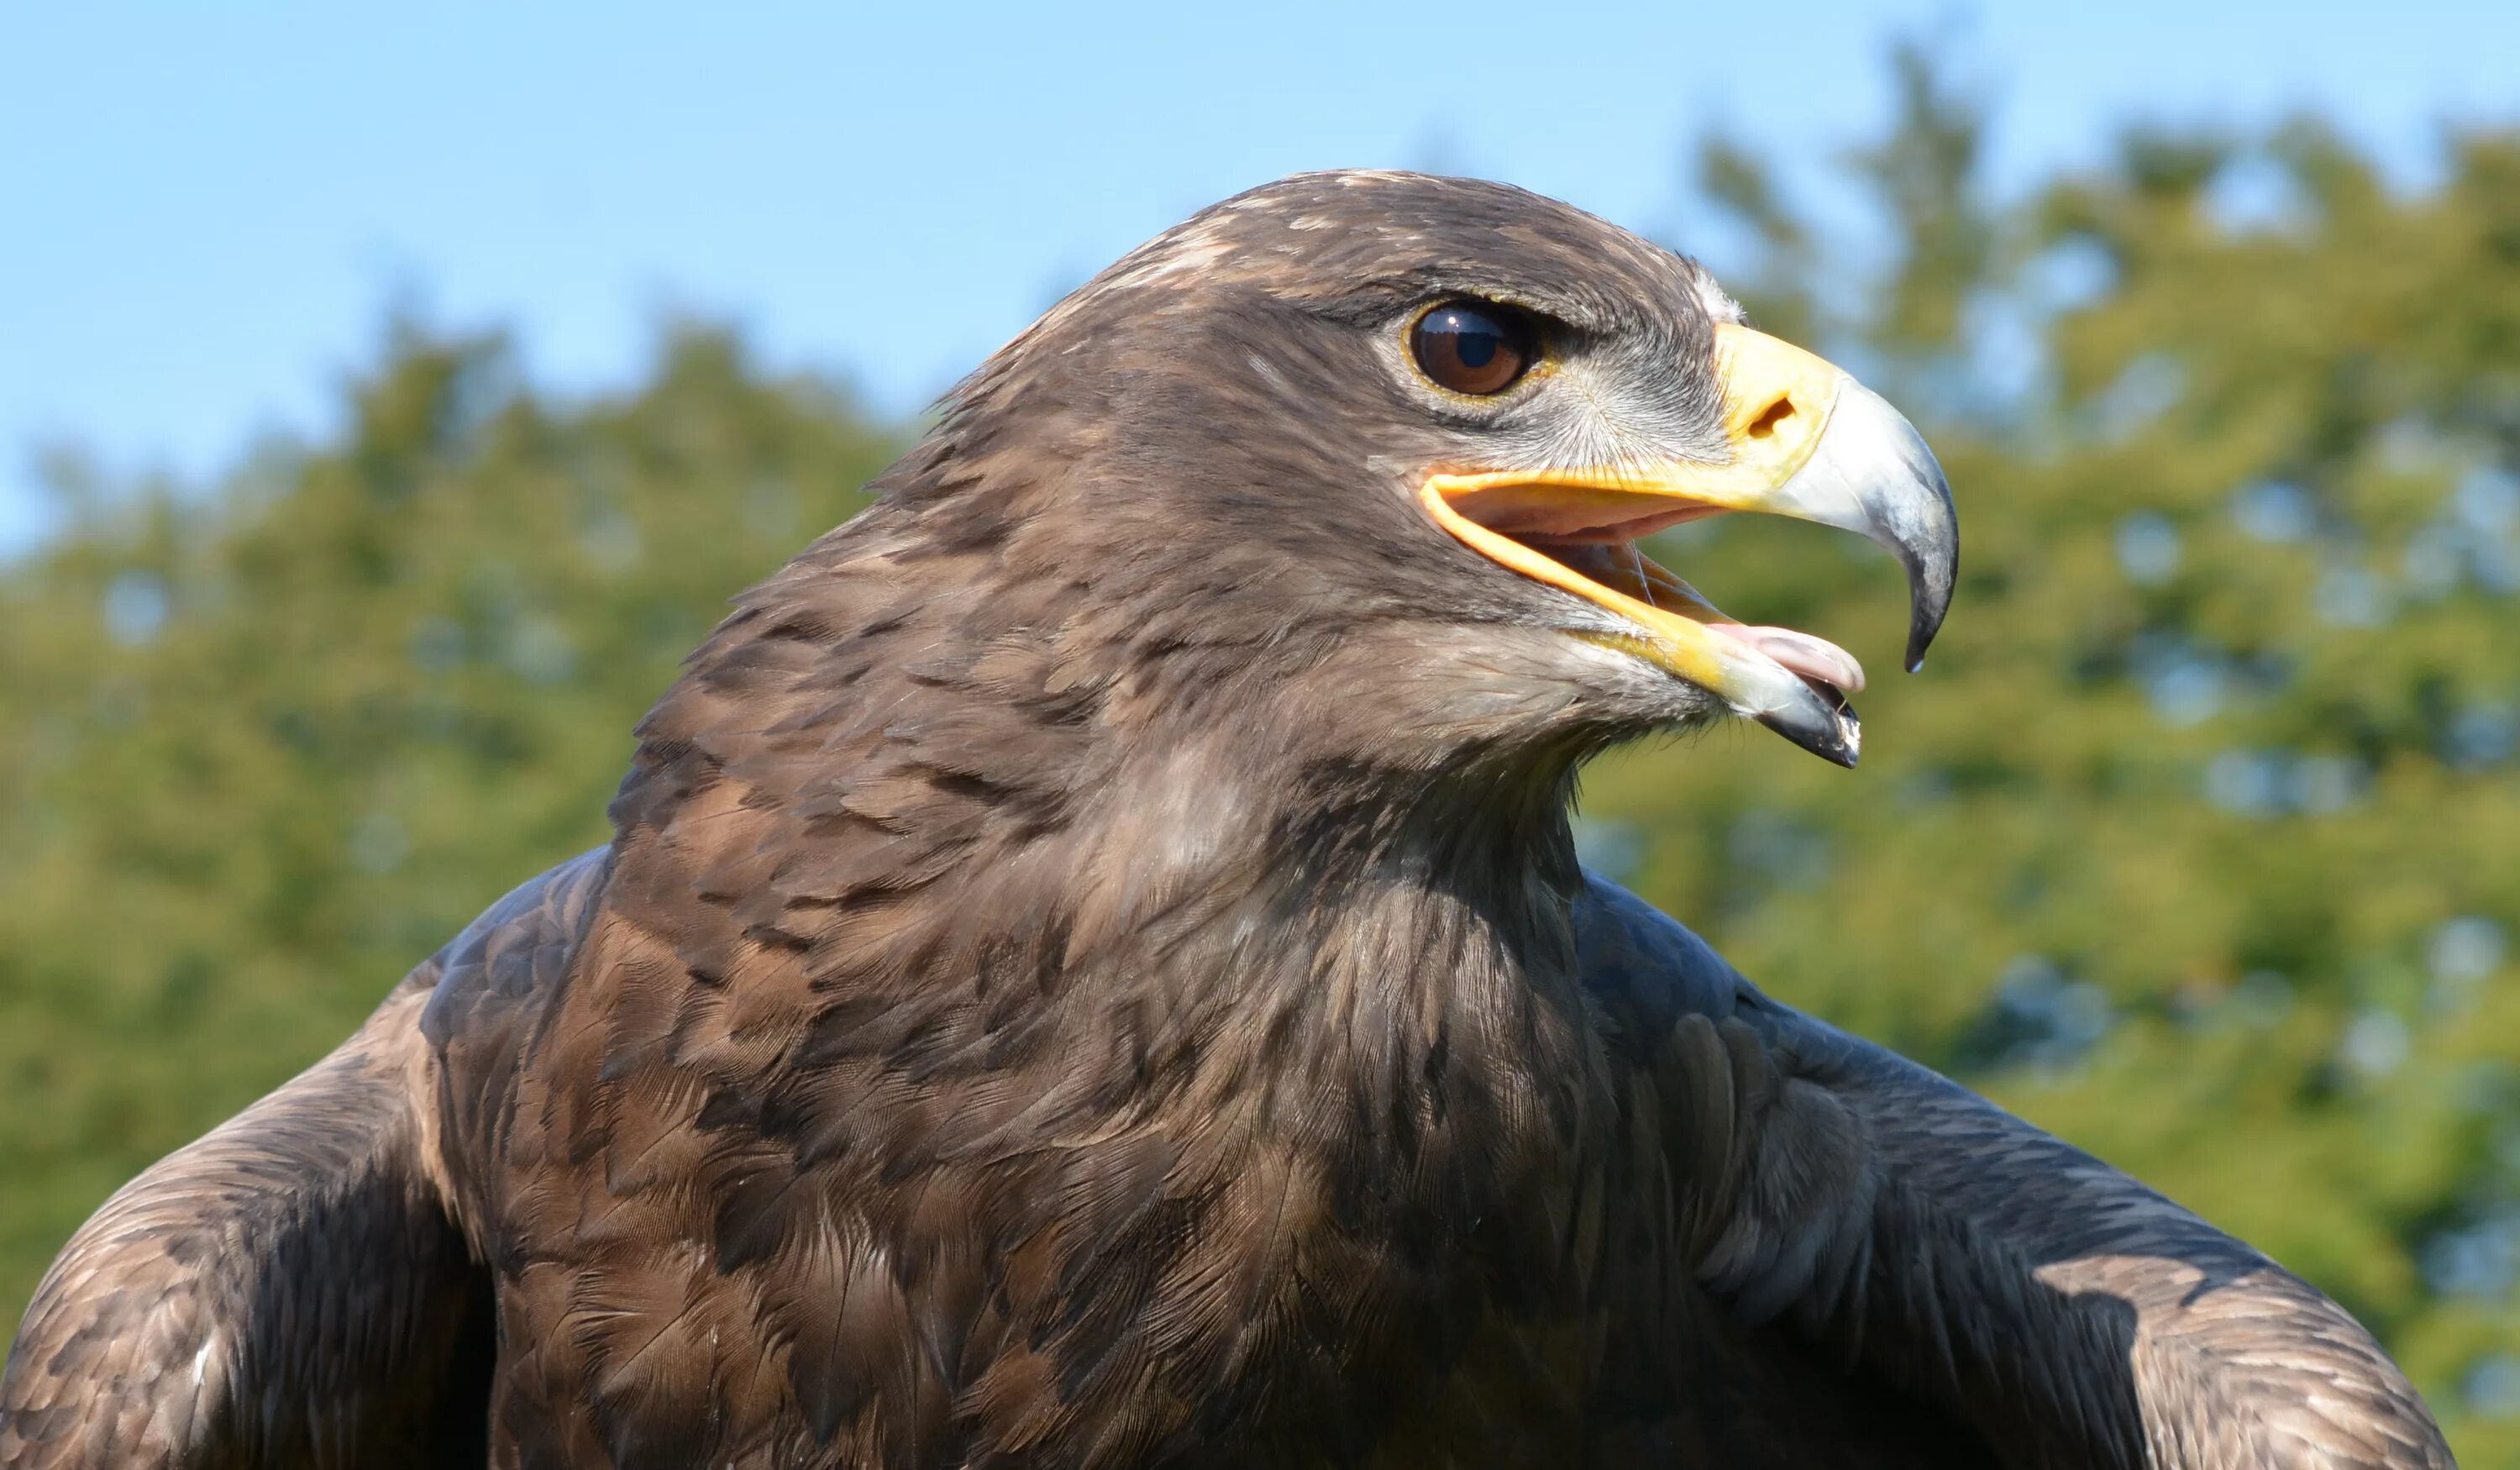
x: 1092, y: 969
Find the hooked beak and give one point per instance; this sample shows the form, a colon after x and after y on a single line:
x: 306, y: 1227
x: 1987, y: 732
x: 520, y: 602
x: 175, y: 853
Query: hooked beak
x: 1805, y: 440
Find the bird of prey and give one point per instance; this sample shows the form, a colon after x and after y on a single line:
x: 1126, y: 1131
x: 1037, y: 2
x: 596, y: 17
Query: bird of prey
x: 1092, y: 970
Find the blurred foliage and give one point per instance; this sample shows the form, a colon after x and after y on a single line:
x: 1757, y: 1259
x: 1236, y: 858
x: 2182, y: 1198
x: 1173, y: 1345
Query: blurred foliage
x: 2198, y: 842
x: 264, y: 750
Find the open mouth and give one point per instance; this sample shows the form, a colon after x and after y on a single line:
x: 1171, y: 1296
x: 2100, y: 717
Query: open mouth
x: 1803, y: 440
x: 1582, y: 538
x: 1593, y: 538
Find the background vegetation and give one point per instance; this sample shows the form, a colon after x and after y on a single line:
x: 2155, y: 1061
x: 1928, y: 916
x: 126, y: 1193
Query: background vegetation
x: 2198, y: 842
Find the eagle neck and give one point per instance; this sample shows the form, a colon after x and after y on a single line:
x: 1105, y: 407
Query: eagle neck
x: 938, y: 832
x: 1378, y: 971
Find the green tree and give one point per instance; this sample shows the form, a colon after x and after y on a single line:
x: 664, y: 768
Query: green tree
x: 263, y: 750
x: 2198, y: 843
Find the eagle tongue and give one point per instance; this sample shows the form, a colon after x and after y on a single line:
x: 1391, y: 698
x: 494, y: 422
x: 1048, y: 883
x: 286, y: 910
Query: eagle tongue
x: 1814, y: 658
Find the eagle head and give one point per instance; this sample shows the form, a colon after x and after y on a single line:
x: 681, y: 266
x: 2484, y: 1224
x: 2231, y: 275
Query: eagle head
x: 1396, y: 437
x: 1313, y: 521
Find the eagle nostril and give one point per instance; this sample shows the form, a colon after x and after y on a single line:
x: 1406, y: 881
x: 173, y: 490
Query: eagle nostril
x: 1770, y: 419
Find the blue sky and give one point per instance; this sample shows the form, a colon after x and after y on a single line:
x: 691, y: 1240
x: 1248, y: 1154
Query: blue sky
x: 205, y: 211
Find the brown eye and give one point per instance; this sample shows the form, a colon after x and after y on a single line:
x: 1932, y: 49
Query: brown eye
x: 1473, y: 347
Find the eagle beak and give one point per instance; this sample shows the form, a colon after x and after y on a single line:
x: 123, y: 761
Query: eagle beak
x: 1803, y: 439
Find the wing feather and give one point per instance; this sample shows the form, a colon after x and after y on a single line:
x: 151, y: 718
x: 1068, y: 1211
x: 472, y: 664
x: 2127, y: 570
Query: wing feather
x: 284, y: 1291
x: 296, y: 1288
x: 1939, y: 1245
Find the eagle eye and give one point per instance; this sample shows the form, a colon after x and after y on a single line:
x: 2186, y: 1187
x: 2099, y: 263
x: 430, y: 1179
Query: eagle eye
x: 1476, y: 349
